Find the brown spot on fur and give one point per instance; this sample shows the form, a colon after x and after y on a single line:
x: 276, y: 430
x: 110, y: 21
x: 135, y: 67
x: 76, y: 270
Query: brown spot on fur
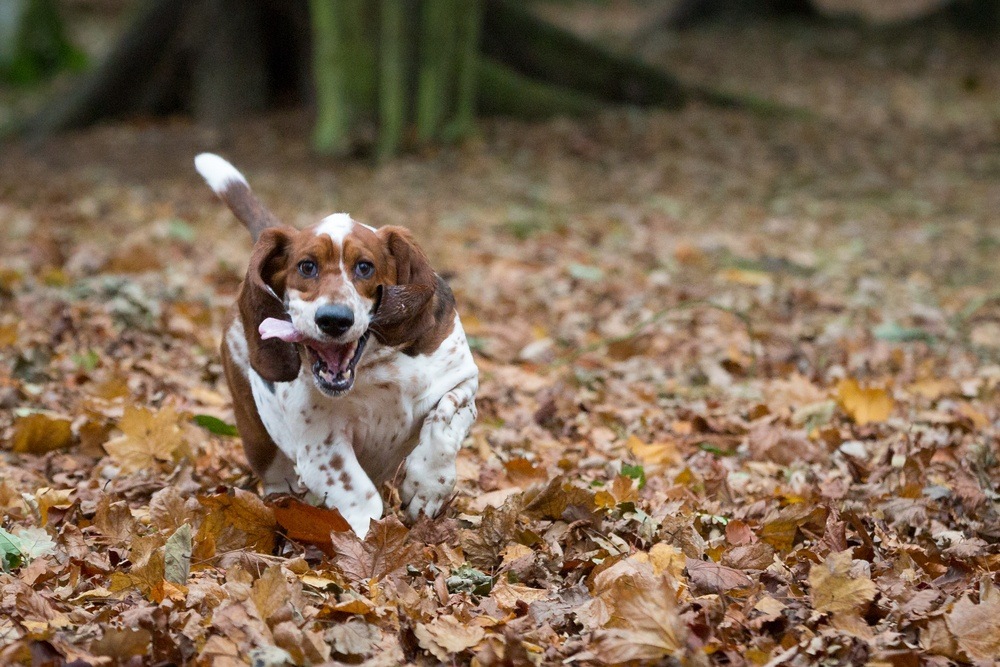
x: 346, y: 480
x: 337, y: 462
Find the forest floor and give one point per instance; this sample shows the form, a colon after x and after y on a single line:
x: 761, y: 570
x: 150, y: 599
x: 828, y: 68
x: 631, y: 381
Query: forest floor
x: 739, y: 398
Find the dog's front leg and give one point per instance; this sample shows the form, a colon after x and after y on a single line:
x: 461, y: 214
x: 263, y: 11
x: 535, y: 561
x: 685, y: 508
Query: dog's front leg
x: 430, y: 467
x: 333, y: 475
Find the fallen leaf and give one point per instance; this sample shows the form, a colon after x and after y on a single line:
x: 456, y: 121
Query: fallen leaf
x: 976, y: 627
x: 655, y: 457
x: 308, y: 524
x: 507, y: 595
x: 645, y: 623
x: 834, y: 589
x: 177, y: 556
x: 864, y: 405
x: 446, y: 636
x: 238, y: 520
x: 707, y: 577
x: 385, y: 549
x: 39, y: 433
x: 483, y: 546
x: 148, y: 438
x: 270, y: 592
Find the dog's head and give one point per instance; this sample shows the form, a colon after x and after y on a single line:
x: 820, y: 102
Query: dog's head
x: 318, y: 294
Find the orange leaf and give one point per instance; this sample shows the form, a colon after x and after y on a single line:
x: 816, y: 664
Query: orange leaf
x: 308, y: 524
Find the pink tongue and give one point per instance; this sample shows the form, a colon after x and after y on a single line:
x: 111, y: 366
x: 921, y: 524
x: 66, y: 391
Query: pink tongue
x: 274, y: 328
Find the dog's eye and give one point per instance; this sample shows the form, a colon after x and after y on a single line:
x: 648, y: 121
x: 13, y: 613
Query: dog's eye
x: 364, y: 270
x: 308, y: 268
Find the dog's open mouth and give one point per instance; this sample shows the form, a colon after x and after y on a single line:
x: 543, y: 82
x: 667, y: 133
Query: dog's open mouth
x: 333, y: 365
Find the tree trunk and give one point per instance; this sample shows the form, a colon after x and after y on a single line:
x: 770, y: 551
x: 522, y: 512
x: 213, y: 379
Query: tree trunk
x: 416, y: 72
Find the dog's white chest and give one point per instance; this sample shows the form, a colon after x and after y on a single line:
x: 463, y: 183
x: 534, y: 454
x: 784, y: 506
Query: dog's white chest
x: 381, y: 418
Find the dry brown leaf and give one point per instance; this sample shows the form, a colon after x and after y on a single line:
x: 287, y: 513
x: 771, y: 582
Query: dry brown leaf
x: 864, y: 405
x: 114, y: 520
x: 667, y: 558
x: 976, y: 627
x: 835, y: 589
x: 148, y: 439
x: 484, y: 545
x: 270, y: 592
x: 558, y: 497
x: 523, y: 473
x: 385, y: 549
x: 239, y: 520
x: 147, y: 577
x: 645, y: 624
x: 622, y: 490
x: 707, y: 577
x: 507, y: 595
x: 446, y: 636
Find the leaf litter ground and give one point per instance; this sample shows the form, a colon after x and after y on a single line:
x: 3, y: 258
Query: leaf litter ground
x: 739, y: 385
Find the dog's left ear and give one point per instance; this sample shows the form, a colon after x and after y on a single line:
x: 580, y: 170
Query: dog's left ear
x: 404, y: 311
x: 260, y: 298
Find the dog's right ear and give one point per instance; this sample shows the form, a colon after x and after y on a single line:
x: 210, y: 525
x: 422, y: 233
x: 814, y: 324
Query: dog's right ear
x: 262, y: 296
x: 232, y: 188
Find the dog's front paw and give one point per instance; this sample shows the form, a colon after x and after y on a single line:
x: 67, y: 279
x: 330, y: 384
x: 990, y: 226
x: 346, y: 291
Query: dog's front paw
x: 425, y: 494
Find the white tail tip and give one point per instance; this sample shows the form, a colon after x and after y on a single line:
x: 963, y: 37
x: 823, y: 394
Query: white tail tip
x: 218, y: 173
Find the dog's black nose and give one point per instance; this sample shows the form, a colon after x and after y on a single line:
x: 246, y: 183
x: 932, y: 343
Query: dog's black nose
x: 334, y: 320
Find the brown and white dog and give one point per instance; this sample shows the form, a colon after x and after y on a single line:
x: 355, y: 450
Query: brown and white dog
x: 346, y: 359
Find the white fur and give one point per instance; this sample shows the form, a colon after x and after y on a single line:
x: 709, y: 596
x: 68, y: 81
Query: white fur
x: 336, y: 226
x: 415, y: 410
x: 218, y: 173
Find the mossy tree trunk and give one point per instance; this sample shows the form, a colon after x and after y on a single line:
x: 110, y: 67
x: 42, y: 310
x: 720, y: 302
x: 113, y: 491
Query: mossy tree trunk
x: 382, y: 75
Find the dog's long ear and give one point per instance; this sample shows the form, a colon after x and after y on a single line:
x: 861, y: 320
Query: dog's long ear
x: 260, y: 298
x: 405, y: 311
x: 232, y: 188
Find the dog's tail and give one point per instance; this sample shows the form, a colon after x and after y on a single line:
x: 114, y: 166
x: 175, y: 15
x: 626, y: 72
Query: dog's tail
x: 232, y: 188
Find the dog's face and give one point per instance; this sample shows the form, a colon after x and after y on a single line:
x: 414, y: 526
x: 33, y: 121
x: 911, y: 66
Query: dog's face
x: 333, y: 281
x: 317, y: 295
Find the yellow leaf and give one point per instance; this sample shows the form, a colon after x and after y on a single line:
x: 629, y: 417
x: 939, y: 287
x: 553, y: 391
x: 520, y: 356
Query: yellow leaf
x: 835, y: 588
x: 745, y: 277
x: 40, y: 433
x: 655, y: 456
x: 666, y: 558
x: 864, y: 404
x: 148, y: 438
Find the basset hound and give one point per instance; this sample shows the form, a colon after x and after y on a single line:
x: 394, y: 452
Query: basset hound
x: 346, y: 359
